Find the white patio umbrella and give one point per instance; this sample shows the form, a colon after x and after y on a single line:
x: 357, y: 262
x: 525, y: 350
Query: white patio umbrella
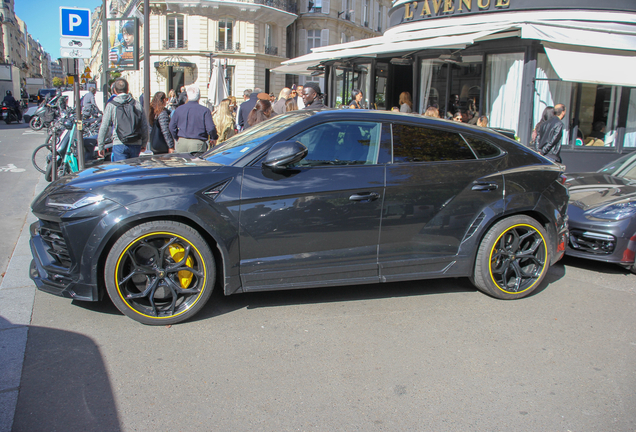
x: 217, y: 90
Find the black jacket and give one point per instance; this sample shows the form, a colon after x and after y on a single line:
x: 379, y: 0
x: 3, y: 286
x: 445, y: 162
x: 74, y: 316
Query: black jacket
x: 164, y: 124
x: 246, y: 108
x: 316, y: 104
x: 549, y: 139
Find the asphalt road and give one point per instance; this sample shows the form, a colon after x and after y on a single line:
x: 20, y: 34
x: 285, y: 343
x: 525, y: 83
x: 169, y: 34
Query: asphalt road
x: 425, y: 356
x: 17, y: 183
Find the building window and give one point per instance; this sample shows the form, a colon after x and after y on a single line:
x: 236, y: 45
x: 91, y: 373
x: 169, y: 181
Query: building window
x: 379, y: 20
x: 224, y: 41
x: 315, y: 6
x: 270, y: 46
x: 176, y: 37
x: 366, y: 13
x: 313, y: 39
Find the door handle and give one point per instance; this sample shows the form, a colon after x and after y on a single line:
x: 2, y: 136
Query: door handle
x: 364, y: 197
x: 485, y: 187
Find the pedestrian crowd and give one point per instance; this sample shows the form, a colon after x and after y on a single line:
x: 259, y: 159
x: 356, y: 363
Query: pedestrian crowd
x: 177, y: 122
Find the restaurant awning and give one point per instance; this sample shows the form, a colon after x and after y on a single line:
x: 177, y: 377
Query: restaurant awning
x: 580, y: 50
x: 592, y: 65
x: 394, y: 44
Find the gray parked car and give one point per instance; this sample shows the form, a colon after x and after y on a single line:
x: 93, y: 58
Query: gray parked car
x: 602, y: 213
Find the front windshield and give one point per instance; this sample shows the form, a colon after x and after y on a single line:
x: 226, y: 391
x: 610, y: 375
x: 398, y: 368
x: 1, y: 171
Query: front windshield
x: 239, y: 145
x: 622, y: 167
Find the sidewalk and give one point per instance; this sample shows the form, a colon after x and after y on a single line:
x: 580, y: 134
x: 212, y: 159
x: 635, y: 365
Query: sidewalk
x: 17, y: 293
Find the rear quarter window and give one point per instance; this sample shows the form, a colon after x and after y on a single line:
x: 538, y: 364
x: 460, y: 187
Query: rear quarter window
x: 483, y: 149
x: 422, y: 144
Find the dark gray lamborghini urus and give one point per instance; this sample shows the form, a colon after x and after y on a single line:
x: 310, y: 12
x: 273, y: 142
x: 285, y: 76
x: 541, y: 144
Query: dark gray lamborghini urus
x: 306, y: 199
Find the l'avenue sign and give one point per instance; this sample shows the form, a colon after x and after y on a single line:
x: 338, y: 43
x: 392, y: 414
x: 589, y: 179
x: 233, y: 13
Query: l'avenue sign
x: 420, y: 10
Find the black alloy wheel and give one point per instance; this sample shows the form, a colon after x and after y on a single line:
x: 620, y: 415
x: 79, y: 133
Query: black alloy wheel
x: 160, y: 273
x: 513, y: 258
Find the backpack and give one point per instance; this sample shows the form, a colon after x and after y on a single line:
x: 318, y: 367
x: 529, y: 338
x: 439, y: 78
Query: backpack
x: 128, y: 120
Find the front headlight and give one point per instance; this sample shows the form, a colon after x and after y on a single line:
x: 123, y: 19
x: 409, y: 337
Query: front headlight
x: 616, y: 211
x: 72, y: 200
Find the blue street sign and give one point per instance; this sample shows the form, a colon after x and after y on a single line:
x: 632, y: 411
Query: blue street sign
x: 75, y: 22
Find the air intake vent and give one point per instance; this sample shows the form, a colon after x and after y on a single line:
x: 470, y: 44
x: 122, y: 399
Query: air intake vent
x: 474, y: 226
x: 215, y: 190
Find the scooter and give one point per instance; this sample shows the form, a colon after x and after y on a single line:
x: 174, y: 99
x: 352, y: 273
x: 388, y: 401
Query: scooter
x: 8, y: 113
x: 44, y: 115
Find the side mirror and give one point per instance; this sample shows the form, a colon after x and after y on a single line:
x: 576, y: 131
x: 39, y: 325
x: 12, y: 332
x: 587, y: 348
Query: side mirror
x: 284, y: 153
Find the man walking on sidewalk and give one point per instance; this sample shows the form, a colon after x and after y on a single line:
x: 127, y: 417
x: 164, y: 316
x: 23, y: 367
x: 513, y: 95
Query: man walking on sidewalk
x: 130, y: 127
x: 551, y: 134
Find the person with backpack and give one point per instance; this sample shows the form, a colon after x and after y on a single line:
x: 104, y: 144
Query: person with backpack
x: 130, y: 127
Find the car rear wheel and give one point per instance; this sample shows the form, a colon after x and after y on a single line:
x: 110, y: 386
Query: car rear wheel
x: 513, y: 258
x: 160, y: 273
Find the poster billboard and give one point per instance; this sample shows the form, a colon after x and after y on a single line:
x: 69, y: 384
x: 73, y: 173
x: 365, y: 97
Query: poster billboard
x: 123, y: 44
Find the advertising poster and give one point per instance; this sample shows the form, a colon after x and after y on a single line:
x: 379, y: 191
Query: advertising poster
x: 123, y: 44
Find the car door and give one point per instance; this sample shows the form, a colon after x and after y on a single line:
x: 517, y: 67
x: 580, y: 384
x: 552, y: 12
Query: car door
x: 436, y: 187
x: 318, y: 222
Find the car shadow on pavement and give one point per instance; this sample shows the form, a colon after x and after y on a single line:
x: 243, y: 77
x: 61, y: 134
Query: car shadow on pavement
x: 64, y: 385
x: 595, y: 266
x: 220, y: 304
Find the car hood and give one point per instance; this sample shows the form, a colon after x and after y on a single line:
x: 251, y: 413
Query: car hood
x: 139, y: 178
x: 591, y: 190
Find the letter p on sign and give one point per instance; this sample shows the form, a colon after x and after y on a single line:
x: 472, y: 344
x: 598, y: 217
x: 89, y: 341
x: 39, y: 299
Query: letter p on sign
x: 75, y: 22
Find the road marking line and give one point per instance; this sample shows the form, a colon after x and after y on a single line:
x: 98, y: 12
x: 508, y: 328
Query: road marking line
x: 11, y: 168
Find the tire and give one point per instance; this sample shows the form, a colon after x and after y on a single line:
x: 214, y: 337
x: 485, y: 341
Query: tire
x: 143, y: 278
x: 41, y: 157
x: 512, y: 259
x: 36, y: 123
x: 7, y: 120
x: 61, y: 171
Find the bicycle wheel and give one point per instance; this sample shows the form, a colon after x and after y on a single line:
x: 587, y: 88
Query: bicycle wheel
x: 41, y: 156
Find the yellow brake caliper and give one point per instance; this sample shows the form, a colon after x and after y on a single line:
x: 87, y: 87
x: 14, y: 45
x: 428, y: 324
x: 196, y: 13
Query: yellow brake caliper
x: 185, y: 276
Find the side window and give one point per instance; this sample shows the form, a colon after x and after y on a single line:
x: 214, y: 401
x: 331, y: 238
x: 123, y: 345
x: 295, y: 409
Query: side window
x: 482, y: 149
x: 421, y: 144
x: 341, y: 143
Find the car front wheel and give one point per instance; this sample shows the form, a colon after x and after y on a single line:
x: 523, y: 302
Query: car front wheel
x: 513, y: 258
x: 160, y: 273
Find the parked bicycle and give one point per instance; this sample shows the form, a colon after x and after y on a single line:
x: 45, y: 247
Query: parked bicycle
x: 64, y: 134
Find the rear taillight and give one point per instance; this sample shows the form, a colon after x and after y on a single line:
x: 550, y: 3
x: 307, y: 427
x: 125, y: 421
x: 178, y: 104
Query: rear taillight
x: 562, y: 178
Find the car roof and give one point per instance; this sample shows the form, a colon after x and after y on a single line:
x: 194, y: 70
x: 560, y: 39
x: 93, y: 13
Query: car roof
x: 392, y: 116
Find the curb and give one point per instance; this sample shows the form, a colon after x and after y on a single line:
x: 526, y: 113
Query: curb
x: 17, y: 294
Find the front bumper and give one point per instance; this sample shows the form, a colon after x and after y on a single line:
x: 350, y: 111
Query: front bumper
x: 601, y: 240
x: 50, y: 269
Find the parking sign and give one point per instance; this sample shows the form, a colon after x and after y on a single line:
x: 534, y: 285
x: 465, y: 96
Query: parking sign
x: 75, y: 22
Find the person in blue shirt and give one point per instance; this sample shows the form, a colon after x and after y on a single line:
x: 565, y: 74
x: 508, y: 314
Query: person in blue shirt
x: 191, y: 125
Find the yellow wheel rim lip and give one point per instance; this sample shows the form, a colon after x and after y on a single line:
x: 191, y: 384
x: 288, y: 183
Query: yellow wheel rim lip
x: 123, y: 253
x: 492, y: 251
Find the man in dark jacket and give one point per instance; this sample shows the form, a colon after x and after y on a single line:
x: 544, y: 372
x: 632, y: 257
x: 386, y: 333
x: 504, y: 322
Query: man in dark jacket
x: 312, y: 96
x: 192, y: 125
x: 551, y: 133
x: 247, y: 106
x: 183, y: 97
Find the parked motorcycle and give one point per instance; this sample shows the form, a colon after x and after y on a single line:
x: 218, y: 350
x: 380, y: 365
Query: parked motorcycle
x: 9, y: 114
x: 46, y: 113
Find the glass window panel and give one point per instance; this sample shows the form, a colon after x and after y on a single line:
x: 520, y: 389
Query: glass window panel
x: 630, y: 127
x: 341, y: 143
x: 420, y: 144
x: 482, y: 148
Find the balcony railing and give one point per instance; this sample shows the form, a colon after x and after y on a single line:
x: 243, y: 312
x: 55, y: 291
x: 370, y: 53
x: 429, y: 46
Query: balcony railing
x: 316, y: 9
x: 227, y: 46
x: 286, y: 5
x: 175, y: 44
x: 271, y: 50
